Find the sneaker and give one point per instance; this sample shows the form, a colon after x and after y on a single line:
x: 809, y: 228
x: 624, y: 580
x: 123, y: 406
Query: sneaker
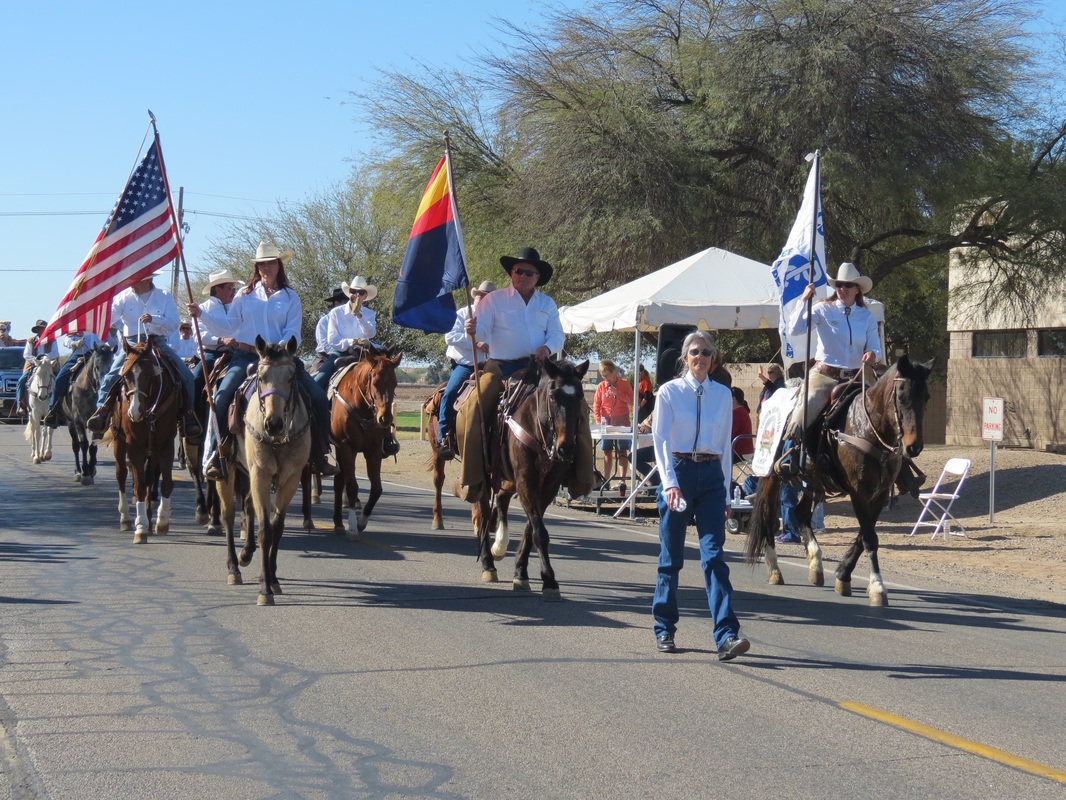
x: 816, y: 531
x: 733, y: 647
x: 664, y: 643
x: 788, y: 538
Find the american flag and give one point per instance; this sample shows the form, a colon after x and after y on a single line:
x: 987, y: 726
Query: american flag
x: 138, y: 238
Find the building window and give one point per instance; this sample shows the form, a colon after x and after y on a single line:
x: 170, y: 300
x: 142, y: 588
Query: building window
x: 999, y: 344
x: 1051, y: 342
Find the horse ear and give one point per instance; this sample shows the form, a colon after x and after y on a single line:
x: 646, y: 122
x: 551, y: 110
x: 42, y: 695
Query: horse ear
x: 260, y: 345
x: 929, y: 364
x: 903, y: 365
x: 292, y: 345
x: 551, y: 368
x: 582, y: 368
x: 396, y: 359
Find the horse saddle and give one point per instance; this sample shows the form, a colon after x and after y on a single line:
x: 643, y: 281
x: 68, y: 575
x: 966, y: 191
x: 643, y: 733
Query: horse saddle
x: 347, y: 364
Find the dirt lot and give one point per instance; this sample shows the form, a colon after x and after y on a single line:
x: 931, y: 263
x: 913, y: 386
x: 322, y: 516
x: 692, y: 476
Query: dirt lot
x: 1022, y: 554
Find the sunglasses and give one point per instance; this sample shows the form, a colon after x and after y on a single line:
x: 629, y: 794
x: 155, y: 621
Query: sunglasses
x: 359, y: 291
x: 529, y: 273
x: 695, y: 351
x: 847, y: 285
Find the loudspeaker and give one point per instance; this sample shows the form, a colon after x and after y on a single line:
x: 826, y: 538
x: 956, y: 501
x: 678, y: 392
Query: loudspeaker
x: 668, y: 351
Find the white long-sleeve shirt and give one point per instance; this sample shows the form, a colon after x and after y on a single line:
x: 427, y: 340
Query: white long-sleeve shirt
x: 844, y: 332
x: 128, y: 307
x: 80, y: 343
x: 321, y: 332
x: 276, y: 317
x: 457, y: 341
x: 214, y: 307
x: 673, y: 425
x: 514, y: 328
x: 31, y: 351
x: 344, y: 327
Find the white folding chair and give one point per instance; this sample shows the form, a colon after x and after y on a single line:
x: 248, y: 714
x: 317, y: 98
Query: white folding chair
x: 944, y: 499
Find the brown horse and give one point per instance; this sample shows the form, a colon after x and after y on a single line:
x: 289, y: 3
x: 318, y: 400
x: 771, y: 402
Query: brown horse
x: 272, y: 449
x: 144, y: 424
x: 362, y: 422
x: 860, y: 458
x: 537, y: 436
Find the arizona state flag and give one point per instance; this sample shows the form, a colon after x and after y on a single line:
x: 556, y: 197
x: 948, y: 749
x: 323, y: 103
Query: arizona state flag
x: 434, y: 265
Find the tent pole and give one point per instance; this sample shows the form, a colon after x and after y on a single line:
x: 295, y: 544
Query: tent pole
x: 633, y: 419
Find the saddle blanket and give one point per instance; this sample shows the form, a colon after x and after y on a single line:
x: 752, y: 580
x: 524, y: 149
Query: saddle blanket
x: 773, y: 420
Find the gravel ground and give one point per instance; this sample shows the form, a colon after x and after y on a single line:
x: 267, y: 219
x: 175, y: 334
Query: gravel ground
x: 1021, y: 554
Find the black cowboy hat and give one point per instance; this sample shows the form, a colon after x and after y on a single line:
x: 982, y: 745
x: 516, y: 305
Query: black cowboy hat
x: 338, y: 296
x: 40, y: 326
x: 528, y: 255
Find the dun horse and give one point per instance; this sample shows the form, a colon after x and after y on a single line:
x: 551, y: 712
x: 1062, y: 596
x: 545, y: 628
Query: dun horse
x: 144, y: 424
x: 861, y: 459
x: 79, y: 405
x: 39, y: 392
x: 273, y: 449
x: 362, y: 422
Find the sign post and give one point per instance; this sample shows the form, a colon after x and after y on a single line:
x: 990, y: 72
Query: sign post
x: 992, y: 431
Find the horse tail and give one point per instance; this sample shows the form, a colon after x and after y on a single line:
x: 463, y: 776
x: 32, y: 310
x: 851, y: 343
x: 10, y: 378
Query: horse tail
x: 765, y: 510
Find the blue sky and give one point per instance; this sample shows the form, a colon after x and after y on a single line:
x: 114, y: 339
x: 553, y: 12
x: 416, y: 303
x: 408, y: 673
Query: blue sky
x: 248, y: 98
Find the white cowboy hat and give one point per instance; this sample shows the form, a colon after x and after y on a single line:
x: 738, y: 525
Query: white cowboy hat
x: 486, y: 287
x: 359, y: 282
x: 849, y: 273
x: 219, y: 278
x: 269, y: 252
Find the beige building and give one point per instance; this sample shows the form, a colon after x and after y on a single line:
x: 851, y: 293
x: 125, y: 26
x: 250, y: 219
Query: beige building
x: 997, y: 352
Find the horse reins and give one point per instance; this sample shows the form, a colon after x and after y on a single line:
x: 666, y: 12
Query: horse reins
x: 888, y: 451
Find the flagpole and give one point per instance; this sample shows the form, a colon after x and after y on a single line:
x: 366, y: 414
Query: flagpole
x: 181, y: 261
x: 470, y: 312
x: 817, y: 157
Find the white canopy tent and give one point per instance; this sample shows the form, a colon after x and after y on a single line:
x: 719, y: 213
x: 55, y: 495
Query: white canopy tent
x: 713, y: 290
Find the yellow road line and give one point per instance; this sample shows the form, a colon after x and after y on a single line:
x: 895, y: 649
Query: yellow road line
x: 1002, y: 756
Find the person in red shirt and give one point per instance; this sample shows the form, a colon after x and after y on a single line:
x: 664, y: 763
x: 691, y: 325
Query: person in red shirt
x: 611, y: 406
x: 741, y: 426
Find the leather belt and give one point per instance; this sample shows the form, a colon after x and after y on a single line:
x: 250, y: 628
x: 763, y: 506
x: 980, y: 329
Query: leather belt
x: 696, y: 457
x: 836, y: 373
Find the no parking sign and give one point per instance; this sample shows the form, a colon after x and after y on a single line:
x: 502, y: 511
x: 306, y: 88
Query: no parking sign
x: 992, y: 432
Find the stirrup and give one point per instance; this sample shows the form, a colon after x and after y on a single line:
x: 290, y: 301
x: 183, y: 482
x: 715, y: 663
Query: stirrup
x: 788, y: 465
x: 97, y: 423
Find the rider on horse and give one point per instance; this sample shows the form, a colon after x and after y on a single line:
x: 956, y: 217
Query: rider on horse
x: 30, y: 353
x: 460, y: 353
x: 348, y: 326
x: 518, y: 326
x: 80, y: 345
x: 322, y: 351
x: 847, y: 341
x: 143, y: 312
x: 271, y: 309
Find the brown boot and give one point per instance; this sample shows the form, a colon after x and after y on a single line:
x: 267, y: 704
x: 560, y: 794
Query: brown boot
x: 97, y: 423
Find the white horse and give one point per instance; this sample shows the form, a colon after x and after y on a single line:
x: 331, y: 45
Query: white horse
x: 39, y: 393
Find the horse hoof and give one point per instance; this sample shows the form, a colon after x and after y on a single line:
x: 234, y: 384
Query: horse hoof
x: 276, y: 588
x: 125, y: 525
x: 162, y: 528
x: 244, y: 560
x: 437, y: 525
x: 843, y: 588
x: 552, y: 595
x: 316, y: 498
x: 234, y: 580
x: 308, y: 525
x: 140, y: 537
x: 87, y: 480
x: 77, y: 477
x: 879, y: 599
x: 48, y: 457
x: 201, y: 518
x: 214, y: 530
x: 339, y: 530
x: 816, y: 577
x: 520, y: 585
x: 264, y: 599
x: 496, y: 557
x: 36, y: 460
x: 776, y: 578
x: 489, y: 576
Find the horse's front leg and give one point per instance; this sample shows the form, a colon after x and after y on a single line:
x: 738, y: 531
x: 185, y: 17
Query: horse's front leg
x: 804, y: 510
x: 481, y: 516
x: 225, y: 496
x: 346, y: 462
x: 140, y: 494
x: 264, y: 511
x: 47, y: 431
x: 88, y: 473
x: 373, y: 471
x: 502, y: 534
x: 306, y: 497
x: 121, y: 473
x: 437, y: 467
x: 166, y: 488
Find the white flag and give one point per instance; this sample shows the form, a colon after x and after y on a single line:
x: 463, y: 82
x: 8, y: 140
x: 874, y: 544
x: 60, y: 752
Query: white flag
x: 792, y: 269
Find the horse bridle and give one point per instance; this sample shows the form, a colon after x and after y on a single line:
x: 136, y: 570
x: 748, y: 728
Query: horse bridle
x: 539, y: 445
x: 152, y: 409
x: 364, y: 422
x: 289, y: 399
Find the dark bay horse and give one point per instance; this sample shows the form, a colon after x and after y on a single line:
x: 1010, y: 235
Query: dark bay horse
x: 272, y: 449
x: 537, y: 435
x: 861, y: 459
x: 361, y: 422
x: 144, y: 424
x: 79, y: 404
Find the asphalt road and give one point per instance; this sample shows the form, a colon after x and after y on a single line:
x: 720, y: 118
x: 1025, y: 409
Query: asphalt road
x: 388, y: 670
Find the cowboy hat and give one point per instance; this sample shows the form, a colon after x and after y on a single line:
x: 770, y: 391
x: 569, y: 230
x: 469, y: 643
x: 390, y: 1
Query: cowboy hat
x: 486, y: 287
x: 270, y: 252
x: 849, y: 273
x: 359, y: 282
x: 338, y: 296
x: 219, y: 278
x: 528, y: 255
x: 40, y: 326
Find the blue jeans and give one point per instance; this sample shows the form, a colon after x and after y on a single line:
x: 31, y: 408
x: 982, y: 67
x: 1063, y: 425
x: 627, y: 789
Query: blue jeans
x: 59, y: 388
x: 446, y: 414
x: 184, y: 374
x: 818, y: 517
x: 326, y: 370
x: 789, y: 521
x: 703, y: 488
x: 236, y: 372
x: 20, y: 388
x: 202, y: 370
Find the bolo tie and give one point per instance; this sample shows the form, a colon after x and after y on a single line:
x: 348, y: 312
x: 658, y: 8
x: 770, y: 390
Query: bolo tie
x: 699, y: 409
x: 847, y: 319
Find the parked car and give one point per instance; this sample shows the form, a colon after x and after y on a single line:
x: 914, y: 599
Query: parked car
x: 11, y: 362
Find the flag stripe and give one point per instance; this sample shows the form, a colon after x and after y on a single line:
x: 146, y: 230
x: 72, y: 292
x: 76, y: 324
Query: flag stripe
x: 436, y: 215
